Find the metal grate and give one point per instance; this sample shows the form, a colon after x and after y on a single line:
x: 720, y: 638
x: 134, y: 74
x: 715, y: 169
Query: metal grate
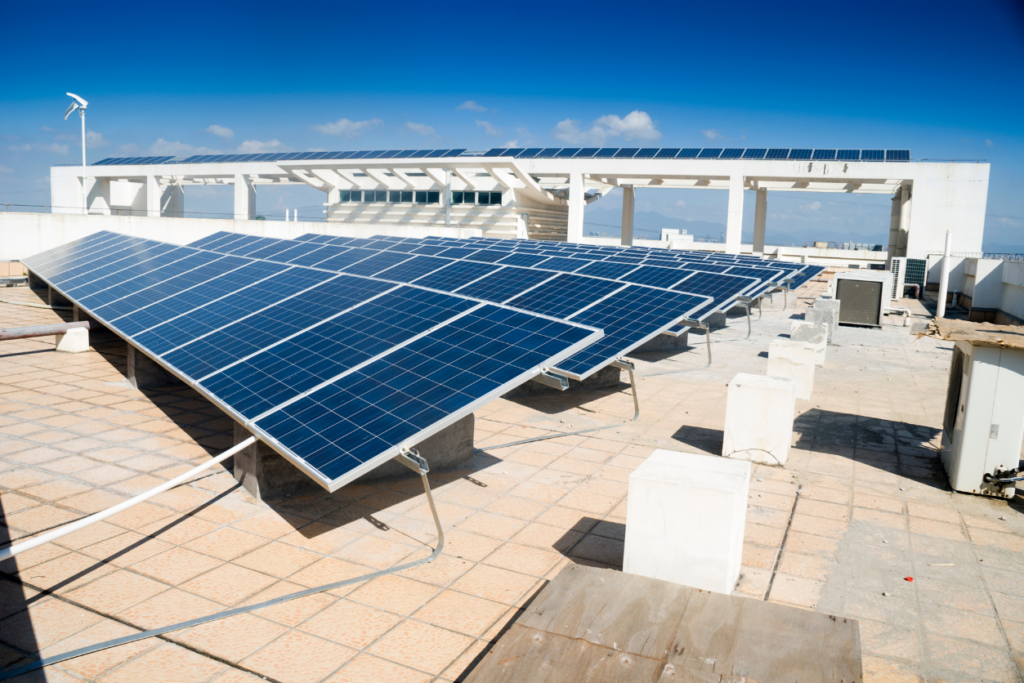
x: 956, y: 378
x: 915, y: 271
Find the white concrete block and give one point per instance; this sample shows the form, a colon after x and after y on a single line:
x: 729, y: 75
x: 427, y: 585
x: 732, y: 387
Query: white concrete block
x: 75, y: 340
x: 759, y: 415
x: 685, y: 519
x: 824, y: 311
x: 793, y: 360
x: 815, y: 334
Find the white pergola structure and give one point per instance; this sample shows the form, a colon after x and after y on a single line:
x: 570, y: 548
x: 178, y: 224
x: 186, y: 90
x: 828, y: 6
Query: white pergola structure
x: 542, y: 195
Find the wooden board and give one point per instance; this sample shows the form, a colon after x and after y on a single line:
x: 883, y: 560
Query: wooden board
x: 602, y: 626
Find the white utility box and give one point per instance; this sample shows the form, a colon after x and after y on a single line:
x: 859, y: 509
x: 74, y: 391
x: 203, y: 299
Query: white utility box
x: 863, y: 296
x: 685, y: 519
x: 759, y: 414
x: 984, y: 420
x: 793, y: 360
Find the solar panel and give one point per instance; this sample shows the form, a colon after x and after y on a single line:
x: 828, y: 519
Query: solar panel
x: 799, y: 154
x: 731, y: 154
x: 872, y: 155
x: 754, y: 153
x: 494, y: 152
x: 626, y: 153
x: 777, y: 154
x: 668, y: 153
x: 529, y: 153
x: 897, y: 155
x: 709, y: 153
x: 280, y: 348
x: 848, y: 154
x: 824, y: 154
x: 568, y: 152
x: 606, y: 153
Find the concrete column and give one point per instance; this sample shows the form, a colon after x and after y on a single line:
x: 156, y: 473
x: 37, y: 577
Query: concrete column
x: 906, y: 198
x: 760, y: 213
x: 334, y: 196
x: 98, y: 196
x: 245, y: 199
x: 759, y: 414
x: 523, y: 226
x: 734, y: 224
x: 576, y: 204
x: 145, y: 373
x: 154, y: 197
x: 894, y: 229
x: 628, y: 204
x: 172, y: 201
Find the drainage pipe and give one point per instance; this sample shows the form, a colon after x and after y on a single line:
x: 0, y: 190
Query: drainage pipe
x: 42, y: 330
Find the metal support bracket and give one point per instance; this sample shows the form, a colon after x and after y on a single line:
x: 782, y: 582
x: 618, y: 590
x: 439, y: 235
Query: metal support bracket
x: 553, y: 380
x: 412, y: 459
x: 621, y: 364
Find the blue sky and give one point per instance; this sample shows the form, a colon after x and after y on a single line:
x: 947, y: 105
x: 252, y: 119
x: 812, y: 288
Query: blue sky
x: 941, y: 79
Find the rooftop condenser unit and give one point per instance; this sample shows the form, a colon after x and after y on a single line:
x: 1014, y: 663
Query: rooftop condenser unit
x: 898, y: 269
x: 984, y: 419
x: 863, y: 296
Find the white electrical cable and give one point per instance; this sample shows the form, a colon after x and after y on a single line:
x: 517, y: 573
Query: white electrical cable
x: 92, y: 519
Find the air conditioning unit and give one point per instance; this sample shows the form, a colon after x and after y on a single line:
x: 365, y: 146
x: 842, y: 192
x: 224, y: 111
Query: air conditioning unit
x: 898, y: 268
x: 863, y: 296
x: 984, y: 419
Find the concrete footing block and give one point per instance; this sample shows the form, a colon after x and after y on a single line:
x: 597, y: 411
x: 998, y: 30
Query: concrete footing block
x: 824, y: 311
x: 665, y: 342
x: 793, y: 360
x: 716, y: 321
x: 145, y: 373
x: 685, y: 519
x: 759, y: 414
x: 607, y: 377
x: 75, y: 340
x: 815, y: 334
x: 449, y: 449
x: 36, y: 282
x: 55, y: 298
x: 266, y: 474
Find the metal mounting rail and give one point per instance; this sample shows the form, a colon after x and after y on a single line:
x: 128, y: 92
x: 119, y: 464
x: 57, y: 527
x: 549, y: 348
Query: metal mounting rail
x: 621, y: 364
x: 408, y: 457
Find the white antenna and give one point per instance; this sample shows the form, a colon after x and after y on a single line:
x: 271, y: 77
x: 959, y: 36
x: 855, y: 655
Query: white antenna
x: 80, y: 104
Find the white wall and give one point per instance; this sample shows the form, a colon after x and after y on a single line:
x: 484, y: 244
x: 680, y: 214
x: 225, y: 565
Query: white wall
x: 1012, y: 299
x: 25, y: 234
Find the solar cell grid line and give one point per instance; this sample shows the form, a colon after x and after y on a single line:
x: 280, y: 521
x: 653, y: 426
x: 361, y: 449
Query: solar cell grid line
x: 213, y: 289
x: 56, y: 256
x: 296, y: 250
x: 412, y: 269
x: 219, y: 348
x: 455, y: 275
x: 415, y: 390
x: 610, y: 270
x: 51, y: 265
x: 654, y: 276
x: 487, y: 256
x: 296, y: 364
x: 204, y: 269
x: 92, y: 257
x: 565, y: 295
x: 272, y: 251
x: 721, y: 288
x: 238, y: 241
x: 381, y: 260
x: 145, y: 275
x: 526, y: 260
x: 505, y: 284
x: 211, y: 241
x: 629, y: 317
x: 403, y: 247
x: 322, y: 253
x: 197, y: 323
x: 94, y: 277
x: 563, y: 263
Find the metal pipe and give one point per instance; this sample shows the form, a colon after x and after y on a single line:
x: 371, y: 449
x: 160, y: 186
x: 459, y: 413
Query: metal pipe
x: 92, y: 519
x: 42, y: 330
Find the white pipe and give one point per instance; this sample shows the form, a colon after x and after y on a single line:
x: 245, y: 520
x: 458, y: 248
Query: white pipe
x: 944, y: 278
x: 85, y: 193
x: 92, y: 519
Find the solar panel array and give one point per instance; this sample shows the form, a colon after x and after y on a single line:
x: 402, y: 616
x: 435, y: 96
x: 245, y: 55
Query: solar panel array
x: 336, y: 371
x: 592, y: 285
x: 533, y: 153
x: 700, y: 153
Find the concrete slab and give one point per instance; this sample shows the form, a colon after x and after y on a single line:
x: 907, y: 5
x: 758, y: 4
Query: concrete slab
x: 685, y: 519
x: 815, y: 334
x: 793, y: 360
x: 759, y: 415
x: 663, y: 343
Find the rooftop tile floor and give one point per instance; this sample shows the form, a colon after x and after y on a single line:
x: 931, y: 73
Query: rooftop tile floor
x: 861, y: 504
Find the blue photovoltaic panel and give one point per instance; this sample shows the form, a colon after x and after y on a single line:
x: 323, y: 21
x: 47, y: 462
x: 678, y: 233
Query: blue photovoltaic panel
x: 201, y: 357
x: 721, y: 288
x: 291, y: 367
x: 709, y: 153
x: 564, y: 295
x: 456, y: 275
x: 777, y: 154
x: 848, y: 155
x: 655, y: 276
x: 688, y: 153
x: 668, y: 153
x: 872, y: 155
x: 374, y: 264
x: 897, y: 155
x: 488, y: 255
x: 562, y: 263
x: 343, y: 429
x: 626, y: 153
x: 347, y: 258
x: 504, y: 284
x: 457, y: 252
x: 799, y: 154
x: 549, y: 152
x: 568, y: 152
x: 529, y: 153
x: 647, y: 153
x: 494, y: 152
x: 824, y: 154
x: 612, y: 271
x: 416, y: 267
x: 731, y: 154
x: 526, y: 260
x: 628, y: 317
x: 772, y: 274
x: 606, y: 152
x: 754, y: 153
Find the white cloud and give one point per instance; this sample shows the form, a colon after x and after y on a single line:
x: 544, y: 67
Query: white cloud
x: 167, y: 148
x: 347, y: 128
x: 989, y: 143
x: 421, y: 128
x: 94, y: 139
x: 55, y: 148
x: 472, y: 106
x: 511, y: 143
x: 259, y: 147
x: 221, y: 131
x: 4, y: 169
x: 47, y: 129
x: 813, y: 206
x: 637, y: 125
x: 711, y: 134
x: 488, y: 128
x: 680, y: 203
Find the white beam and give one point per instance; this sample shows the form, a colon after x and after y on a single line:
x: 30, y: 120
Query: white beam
x: 628, y: 201
x: 574, y: 231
